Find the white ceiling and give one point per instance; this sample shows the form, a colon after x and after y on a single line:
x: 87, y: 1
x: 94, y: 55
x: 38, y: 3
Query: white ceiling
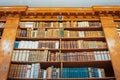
x: 59, y: 3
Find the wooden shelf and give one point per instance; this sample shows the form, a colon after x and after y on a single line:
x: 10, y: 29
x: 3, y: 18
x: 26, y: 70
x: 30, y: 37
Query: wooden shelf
x: 100, y: 63
x: 41, y: 62
x: 92, y: 49
x: 105, y: 78
x: 92, y: 28
x: 35, y: 49
x: 85, y: 38
x: 70, y: 64
x: 63, y: 38
x: 33, y: 39
x: 55, y: 19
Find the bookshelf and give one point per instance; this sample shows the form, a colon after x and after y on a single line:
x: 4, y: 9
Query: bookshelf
x: 52, y: 44
x: 71, y: 45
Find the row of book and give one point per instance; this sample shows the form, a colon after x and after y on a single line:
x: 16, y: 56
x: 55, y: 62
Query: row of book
x: 1, y: 24
x: 33, y: 70
x: 82, y: 44
x: 78, y: 44
x: 59, y: 24
x: 57, y: 33
x: 85, y: 56
x: 27, y: 55
x: 37, y: 44
x: 84, y: 72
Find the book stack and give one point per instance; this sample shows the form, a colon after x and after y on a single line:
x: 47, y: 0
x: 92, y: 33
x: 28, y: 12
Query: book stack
x: 88, y: 24
x: 60, y: 24
x: 42, y: 33
x: 45, y: 24
x: 37, y: 44
x: 85, y: 56
x: 29, y: 24
x: 33, y: 70
x: 82, y: 44
x: 27, y: 55
x: 84, y: 72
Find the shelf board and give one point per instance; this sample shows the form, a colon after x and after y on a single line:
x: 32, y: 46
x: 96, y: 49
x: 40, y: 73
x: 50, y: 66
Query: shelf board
x: 35, y: 49
x: 70, y: 64
x: 105, y: 78
x: 92, y: 49
x: 100, y: 63
x: 84, y: 38
x: 41, y: 62
x: 116, y: 19
x: 92, y: 28
x: 55, y: 19
x: 37, y: 38
x: 63, y: 38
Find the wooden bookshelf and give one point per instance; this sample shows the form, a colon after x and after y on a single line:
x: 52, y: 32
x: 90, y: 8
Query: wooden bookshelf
x: 106, y: 78
x: 84, y: 26
x: 59, y: 40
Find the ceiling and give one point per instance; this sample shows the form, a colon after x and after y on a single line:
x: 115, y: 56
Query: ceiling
x: 59, y: 3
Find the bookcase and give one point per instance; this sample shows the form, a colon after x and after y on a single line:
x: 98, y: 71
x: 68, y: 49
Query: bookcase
x: 73, y: 44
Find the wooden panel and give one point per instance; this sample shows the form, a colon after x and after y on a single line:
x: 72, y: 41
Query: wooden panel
x: 13, y: 8
x: 87, y: 10
x: 6, y: 46
x: 106, y: 8
x: 113, y: 42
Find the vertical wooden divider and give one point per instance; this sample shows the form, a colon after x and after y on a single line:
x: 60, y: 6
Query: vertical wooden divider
x: 113, y: 42
x: 7, y: 44
x: 61, y: 61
